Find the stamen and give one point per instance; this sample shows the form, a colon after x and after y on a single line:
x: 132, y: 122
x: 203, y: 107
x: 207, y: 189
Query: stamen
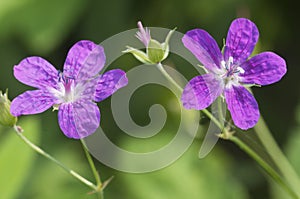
x: 240, y: 70
x: 223, y: 63
x: 60, y: 76
x: 232, y: 72
x: 227, y: 65
x: 230, y: 60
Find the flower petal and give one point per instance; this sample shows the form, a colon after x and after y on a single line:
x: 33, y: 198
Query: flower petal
x: 84, y: 60
x: 109, y: 83
x: 31, y: 102
x: 204, y: 47
x: 242, y: 106
x: 87, y: 89
x: 263, y: 69
x: 143, y: 34
x: 241, y: 39
x: 36, y: 72
x: 79, y: 119
x: 201, y: 91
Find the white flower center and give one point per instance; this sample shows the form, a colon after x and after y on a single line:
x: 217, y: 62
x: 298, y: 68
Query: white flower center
x: 68, y: 90
x: 230, y: 72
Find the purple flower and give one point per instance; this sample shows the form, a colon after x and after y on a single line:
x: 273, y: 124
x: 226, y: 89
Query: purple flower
x: 229, y: 72
x: 73, y: 92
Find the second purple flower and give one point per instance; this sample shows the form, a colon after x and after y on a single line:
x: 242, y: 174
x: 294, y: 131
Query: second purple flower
x: 73, y: 92
x: 228, y: 73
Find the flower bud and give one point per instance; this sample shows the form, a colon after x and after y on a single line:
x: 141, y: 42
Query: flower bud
x: 6, y: 118
x: 156, y: 52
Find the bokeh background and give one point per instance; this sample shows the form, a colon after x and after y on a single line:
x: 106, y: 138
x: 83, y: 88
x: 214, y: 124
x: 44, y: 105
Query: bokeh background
x: 49, y: 28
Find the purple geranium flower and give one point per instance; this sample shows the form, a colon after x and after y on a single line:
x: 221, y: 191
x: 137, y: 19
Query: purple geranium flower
x: 228, y: 73
x: 73, y: 92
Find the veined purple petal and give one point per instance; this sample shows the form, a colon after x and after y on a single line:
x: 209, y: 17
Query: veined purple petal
x: 204, y: 47
x: 242, y: 106
x: 87, y: 89
x: 36, y: 72
x: 32, y: 102
x: 201, y: 91
x: 79, y: 119
x: 84, y: 60
x: 241, y: 39
x: 109, y: 83
x: 263, y: 69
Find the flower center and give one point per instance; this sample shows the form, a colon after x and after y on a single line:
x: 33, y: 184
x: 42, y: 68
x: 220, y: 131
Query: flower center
x: 67, y: 87
x: 68, y: 90
x: 231, y: 71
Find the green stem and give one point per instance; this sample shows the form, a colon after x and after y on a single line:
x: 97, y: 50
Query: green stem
x: 213, y: 118
x: 168, y: 77
x: 264, y: 165
x: 277, y: 156
x: 180, y: 89
x: 49, y: 157
x: 94, y: 170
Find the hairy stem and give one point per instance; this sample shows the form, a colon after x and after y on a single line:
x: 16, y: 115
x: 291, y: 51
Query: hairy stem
x: 94, y: 170
x: 180, y: 89
x: 264, y: 165
x: 168, y: 77
x: 277, y: 155
x: 51, y: 158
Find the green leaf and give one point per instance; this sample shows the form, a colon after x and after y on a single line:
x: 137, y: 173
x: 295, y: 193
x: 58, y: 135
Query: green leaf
x: 17, y: 158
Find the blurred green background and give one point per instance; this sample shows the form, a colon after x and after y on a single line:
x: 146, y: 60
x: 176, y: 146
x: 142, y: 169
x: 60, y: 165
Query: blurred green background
x: 49, y: 28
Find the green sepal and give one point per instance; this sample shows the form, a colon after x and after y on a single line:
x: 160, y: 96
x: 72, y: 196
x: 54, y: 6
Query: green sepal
x: 165, y: 45
x: 251, y: 85
x: 6, y: 118
x: 138, y: 54
x: 155, y: 51
x: 223, y: 47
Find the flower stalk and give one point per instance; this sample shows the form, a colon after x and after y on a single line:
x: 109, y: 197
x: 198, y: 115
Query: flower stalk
x: 40, y: 151
x: 99, y: 185
x: 180, y: 89
x: 279, y: 179
x: 280, y: 160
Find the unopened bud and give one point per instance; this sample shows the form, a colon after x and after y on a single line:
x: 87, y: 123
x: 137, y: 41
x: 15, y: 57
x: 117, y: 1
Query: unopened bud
x: 6, y: 118
x: 156, y: 52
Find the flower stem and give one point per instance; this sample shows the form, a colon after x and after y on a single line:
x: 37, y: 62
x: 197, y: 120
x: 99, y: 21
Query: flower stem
x: 168, y: 77
x: 264, y: 165
x: 49, y: 157
x: 94, y: 170
x: 280, y: 160
x: 180, y: 89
